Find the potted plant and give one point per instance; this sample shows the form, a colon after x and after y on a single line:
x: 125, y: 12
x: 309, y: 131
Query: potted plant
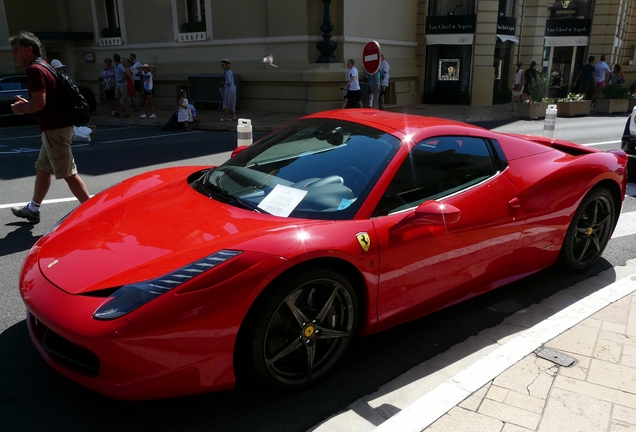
x: 535, y: 106
x: 613, y: 99
x: 574, y: 104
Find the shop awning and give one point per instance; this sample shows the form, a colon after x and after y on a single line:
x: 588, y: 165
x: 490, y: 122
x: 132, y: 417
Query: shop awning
x: 566, y: 40
x: 450, y: 39
x: 506, y: 38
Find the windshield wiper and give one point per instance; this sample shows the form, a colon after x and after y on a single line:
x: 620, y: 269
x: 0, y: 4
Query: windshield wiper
x: 229, y: 197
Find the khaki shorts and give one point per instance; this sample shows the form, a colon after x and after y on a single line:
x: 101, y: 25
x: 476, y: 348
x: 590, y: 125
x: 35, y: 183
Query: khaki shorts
x: 56, y: 157
x: 121, y: 91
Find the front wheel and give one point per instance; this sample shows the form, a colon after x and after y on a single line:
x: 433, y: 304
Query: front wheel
x: 590, y: 231
x: 301, y: 329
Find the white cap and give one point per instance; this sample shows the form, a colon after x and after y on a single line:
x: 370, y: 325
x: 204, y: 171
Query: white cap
x: 57, y: 64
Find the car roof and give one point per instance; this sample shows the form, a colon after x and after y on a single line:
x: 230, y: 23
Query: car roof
x: 385, y: 120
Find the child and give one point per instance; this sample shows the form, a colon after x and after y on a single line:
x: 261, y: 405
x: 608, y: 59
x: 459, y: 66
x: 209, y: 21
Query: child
x: 184, y: 115
x: 146, y: 78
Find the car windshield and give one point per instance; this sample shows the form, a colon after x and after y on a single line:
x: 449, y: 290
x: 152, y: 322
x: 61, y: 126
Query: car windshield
x: 312, y: 168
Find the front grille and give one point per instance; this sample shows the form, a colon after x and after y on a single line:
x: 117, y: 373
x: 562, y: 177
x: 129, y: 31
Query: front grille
x: 68, y: 354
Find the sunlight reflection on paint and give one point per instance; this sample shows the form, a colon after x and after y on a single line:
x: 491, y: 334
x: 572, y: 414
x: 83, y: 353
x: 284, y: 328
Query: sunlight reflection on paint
x: 302, y: 236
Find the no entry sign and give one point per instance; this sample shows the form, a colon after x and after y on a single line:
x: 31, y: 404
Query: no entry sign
x: 371, y: 57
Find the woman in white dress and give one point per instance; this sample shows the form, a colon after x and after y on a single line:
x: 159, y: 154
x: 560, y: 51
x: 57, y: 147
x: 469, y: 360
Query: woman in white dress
x: 229, y: 91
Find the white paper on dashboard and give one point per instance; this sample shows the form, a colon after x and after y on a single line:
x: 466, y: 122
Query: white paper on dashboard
x: 282, y: 200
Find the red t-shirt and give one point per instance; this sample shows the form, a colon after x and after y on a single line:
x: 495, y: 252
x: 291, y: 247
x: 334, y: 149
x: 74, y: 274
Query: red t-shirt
x: 41, y: 80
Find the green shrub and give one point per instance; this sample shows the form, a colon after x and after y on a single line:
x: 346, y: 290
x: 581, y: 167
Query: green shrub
x: 539, y: 87
x: 615, y: 91
x: 110, y: 32
x: 192, y: 27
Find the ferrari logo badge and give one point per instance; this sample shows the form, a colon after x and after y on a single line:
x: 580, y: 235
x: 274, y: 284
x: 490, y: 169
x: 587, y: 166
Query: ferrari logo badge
x: 364, y: 241
x: 309, y: 331
x: 52, y: 263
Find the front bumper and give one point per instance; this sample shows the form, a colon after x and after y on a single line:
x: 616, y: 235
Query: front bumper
x: 178, y: 344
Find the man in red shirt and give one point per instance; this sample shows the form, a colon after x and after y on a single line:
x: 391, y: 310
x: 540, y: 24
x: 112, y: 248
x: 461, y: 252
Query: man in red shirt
x: 56, y: 157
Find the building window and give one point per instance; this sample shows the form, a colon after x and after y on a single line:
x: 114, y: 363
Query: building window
x: 112, y: 20
x: 196, y: 10
x: 507, y: 8
x: 570, y: 9
x: 112, y: 14
x: 445, y: 7
x: 195, y: 17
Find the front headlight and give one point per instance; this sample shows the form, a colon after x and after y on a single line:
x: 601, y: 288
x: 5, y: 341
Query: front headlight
x: 129, y: 297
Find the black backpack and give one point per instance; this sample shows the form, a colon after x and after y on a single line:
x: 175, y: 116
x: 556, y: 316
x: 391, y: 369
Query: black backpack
x: 74, y: 107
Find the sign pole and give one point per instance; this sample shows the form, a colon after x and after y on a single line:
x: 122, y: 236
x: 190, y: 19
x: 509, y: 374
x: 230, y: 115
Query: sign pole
x: 376, y: 93
x: 371, y: 59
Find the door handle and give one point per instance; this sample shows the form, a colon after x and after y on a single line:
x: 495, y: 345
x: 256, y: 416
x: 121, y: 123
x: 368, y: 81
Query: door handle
x: 514, y: 203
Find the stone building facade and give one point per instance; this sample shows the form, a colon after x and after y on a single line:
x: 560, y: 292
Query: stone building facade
x: 439, y: 51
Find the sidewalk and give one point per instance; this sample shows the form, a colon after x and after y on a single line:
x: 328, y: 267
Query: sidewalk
x: 267, y: 122
x: 497, y: 382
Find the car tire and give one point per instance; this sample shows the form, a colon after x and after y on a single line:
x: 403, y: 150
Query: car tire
x: 590, y: 231
x: 299, y: 330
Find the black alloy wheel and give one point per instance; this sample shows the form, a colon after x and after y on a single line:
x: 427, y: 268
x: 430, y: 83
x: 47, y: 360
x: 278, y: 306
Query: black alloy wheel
x: 303, y: 329
x: 590, y: 230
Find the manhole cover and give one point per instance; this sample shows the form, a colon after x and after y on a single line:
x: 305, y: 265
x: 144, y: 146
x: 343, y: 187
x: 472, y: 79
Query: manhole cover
x: 556, y: 357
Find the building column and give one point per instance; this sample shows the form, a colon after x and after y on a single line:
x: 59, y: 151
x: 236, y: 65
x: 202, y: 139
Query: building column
x: 534, y: 14
x: 482, y: 80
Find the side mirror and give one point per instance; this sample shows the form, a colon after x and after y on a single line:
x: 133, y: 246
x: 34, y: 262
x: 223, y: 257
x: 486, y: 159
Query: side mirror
x: 436, y: 213
x: 238, y: 150
x: 429, y: 213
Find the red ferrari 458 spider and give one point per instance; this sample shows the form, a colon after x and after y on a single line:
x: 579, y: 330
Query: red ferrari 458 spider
x: 184, y: 280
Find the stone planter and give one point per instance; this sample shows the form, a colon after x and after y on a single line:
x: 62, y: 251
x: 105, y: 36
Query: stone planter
x: 631, y: 104
x: 573, y: 108
x: 610, y: 106
x: 531, y: 110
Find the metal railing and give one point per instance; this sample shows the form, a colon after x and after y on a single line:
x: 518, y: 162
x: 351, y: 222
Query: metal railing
x: 207, y: 88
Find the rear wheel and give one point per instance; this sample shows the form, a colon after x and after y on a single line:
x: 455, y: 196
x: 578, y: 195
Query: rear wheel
x: 589, y: 231
x: 301, y: 330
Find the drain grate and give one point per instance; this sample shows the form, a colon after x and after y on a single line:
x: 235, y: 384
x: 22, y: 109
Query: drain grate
x: 556, y: 357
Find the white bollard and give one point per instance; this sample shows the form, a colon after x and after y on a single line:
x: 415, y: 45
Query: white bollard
x: 244, y: 132
x: 550, y: 121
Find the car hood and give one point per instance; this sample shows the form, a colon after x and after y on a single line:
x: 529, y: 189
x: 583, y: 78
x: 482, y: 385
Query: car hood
x: 146, y: 227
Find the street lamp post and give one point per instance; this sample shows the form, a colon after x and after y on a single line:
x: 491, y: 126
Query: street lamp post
x: 326, y: 46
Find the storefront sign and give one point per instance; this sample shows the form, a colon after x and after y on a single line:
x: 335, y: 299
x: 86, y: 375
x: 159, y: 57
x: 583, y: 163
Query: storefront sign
x: 506, y: 25
x: 192, y: 37
x: 450, y: 24
x: 110, y: 41
x: 567, y: 27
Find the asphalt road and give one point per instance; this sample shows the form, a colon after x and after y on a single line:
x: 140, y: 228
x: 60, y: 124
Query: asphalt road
x: 33, y: 397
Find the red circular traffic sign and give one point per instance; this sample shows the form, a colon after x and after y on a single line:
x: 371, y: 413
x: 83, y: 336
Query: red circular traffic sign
x: 371, y: 57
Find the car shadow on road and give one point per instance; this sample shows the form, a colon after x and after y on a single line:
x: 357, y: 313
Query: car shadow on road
x: 18, y: 240
x: 35, y: 397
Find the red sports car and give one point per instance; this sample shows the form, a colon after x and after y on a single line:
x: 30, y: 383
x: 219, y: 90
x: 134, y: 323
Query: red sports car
x: 340, y: 224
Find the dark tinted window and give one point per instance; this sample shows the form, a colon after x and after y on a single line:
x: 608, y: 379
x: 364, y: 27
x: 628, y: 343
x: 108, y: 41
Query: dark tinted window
x: 435, y: 168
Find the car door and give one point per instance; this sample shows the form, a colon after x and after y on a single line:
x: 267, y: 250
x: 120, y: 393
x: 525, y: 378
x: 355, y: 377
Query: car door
x: 445, y: 226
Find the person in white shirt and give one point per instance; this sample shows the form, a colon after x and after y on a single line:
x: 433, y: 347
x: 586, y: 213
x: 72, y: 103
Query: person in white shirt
x: 135, y: 67
x: 384, y: 81
x: 146, y: 73
x: 352, y: 86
